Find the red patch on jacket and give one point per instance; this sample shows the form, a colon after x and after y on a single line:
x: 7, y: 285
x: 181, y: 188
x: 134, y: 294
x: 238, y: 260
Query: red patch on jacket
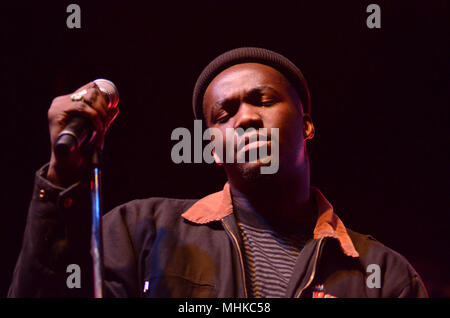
x: 318, y: 292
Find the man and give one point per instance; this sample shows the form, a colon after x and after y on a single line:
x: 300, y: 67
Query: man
x: 263, y: 235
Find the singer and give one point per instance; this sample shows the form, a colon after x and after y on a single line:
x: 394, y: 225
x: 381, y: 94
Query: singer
x: 263, y: 235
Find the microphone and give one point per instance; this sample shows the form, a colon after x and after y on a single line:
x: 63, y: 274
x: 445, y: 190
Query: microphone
x: 79, y: 128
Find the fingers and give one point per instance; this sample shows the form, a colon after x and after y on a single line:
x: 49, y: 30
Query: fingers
x: 91, y: 95
x: 83, y: 109
x: 87, y: 101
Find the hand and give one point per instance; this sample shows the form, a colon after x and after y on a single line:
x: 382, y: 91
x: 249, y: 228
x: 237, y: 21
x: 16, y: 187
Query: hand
x: 94, y: 106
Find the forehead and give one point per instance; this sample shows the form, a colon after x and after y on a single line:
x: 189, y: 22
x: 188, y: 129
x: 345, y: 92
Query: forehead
x: 244, y: 77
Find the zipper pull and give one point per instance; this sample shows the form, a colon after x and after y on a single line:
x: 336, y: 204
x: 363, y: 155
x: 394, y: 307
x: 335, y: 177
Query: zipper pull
x: 146, y: 290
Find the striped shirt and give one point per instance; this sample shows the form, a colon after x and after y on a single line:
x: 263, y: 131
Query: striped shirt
x: 270, y: 257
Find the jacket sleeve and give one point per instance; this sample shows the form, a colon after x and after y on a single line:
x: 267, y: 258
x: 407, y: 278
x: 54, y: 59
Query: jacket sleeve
x: 416, y: 289
x: 57, y: 234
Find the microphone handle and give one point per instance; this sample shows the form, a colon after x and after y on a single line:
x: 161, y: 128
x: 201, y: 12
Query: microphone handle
x: 73, y: 136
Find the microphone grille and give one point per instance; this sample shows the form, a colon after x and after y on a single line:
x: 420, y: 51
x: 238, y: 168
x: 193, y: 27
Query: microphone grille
x: 110, y: 90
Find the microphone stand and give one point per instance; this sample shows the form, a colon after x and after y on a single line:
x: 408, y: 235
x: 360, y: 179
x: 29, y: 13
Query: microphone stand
x: 96, y: 230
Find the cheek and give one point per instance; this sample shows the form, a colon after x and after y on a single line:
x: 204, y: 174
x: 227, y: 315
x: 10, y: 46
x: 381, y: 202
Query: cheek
x: 222, y: 138
x: 287, y: 119
x: 290, y: 125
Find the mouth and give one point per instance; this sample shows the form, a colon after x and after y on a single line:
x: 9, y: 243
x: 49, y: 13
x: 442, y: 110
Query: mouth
x: 253, y: 151
x: 255, y: 145
x: 251, y: 141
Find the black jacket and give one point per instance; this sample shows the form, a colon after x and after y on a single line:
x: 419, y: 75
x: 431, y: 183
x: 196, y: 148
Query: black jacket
x: 161, y: 247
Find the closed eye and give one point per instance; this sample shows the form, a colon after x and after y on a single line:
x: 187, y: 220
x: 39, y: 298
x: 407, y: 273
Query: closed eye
x: 262, y: 96
x: 224, y: 109
x: 221, y: 116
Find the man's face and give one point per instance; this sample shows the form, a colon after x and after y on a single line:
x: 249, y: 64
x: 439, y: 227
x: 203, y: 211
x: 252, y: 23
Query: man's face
x: 252, y: 95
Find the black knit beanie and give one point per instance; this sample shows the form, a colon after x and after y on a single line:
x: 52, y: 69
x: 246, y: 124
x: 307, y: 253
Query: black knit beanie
x: 250, y: 55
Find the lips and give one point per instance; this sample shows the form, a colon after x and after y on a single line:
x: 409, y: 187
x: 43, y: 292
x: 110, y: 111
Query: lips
x: 250, y: 148
x: 255, y: 145
x: 251, y: 141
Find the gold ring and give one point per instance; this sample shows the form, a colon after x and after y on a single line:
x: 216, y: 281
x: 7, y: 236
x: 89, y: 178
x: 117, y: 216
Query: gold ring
x: 78, y: 96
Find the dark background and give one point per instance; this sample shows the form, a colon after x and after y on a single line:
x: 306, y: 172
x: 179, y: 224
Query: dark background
x: 379, y: 102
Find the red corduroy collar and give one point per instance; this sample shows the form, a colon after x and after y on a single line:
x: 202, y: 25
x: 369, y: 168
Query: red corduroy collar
x: 218, y: 205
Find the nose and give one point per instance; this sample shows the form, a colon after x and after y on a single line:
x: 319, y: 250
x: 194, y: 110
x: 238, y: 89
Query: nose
x: 248, y: 117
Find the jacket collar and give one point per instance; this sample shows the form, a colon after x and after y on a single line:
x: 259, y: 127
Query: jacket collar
x: 218, y: 205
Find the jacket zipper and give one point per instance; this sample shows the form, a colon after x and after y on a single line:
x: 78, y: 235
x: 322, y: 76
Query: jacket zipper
x: 311, y: 278
x: 240, y: 256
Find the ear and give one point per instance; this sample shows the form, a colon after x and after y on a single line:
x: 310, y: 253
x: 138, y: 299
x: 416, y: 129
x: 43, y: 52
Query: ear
x: 308, y: 127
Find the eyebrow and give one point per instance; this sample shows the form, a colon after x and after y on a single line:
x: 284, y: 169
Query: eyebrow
x: 260, y: 88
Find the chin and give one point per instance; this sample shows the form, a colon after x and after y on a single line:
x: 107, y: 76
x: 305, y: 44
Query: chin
x: 251, y: 171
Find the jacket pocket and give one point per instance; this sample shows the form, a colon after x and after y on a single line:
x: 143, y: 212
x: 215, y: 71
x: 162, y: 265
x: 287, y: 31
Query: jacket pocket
x: 172, y: 286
